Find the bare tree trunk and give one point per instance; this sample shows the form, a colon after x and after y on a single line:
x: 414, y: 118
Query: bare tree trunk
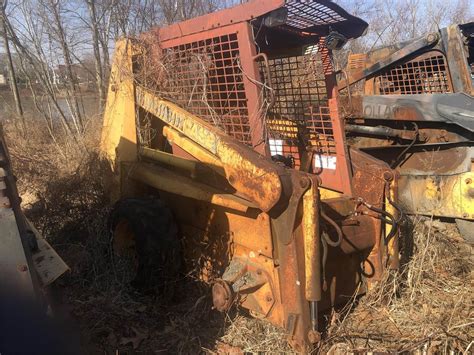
x: 11, y: 69
x: 68, y: 64
x: 95, y: 42
x: 41, y: 74
x: 105, y: 36
x: 105, y: 56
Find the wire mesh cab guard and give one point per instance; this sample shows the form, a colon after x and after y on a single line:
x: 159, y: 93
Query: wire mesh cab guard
x: 261, y: 72
x: 425, y: 74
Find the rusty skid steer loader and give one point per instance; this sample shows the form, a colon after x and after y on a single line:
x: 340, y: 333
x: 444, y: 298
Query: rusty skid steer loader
x: 411, y: 104
x: 226, y: 130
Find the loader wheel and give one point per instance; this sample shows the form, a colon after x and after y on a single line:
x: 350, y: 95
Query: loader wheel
x: 466, y: 229
x: 144, y: 232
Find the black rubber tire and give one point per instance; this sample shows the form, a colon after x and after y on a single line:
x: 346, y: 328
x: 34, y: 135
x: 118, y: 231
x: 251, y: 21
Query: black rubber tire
x: 466, y: 229
x: 158, y: 249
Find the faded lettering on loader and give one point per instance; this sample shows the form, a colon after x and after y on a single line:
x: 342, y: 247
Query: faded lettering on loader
x: 178, y: 119
x: 382, y: 110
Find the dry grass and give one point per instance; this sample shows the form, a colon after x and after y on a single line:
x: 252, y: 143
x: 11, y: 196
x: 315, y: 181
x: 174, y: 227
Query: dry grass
x: 428, y: 305
x: 254, y: 336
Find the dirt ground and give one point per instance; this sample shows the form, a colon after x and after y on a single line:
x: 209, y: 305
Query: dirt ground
x: 426, y: 307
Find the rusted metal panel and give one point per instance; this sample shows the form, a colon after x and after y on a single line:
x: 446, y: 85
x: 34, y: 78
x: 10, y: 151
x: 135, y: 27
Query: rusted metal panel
x: 457, y: 59
x: 448, y: 196
x: 242, y: 13
x: 314, y: 16
x: 369, y: 185
x: 426, y: 159
x: 359, y: 234
x: 436, y: 160
x: 432, y: 87
x: 218, y: 240
x: 369, y: 179
x: 253, y: 86
x: 339, y: 178
x: 249, y: 277
x: 359, y: 231
x: 467, y: 30
x: 356, y: 61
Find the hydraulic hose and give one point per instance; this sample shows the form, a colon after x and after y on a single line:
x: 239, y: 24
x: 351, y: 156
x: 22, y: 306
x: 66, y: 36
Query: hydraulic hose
x: 389, y: 198
x: 336, y: 227
x: 326, y: 240
x: 385, y: 217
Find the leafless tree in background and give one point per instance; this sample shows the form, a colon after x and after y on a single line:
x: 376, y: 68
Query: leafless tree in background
x: 392, y: 21
x: 58, y: 31
x: 33, y: 39
x: 11, y: 70
x: 179, y: 10
x: 94, y: 26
